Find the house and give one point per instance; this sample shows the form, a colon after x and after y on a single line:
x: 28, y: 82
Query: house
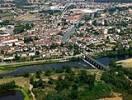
x: 31, y: 54
x: 8, y: 58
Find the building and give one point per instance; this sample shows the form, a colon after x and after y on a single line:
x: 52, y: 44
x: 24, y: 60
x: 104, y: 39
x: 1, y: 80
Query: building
x: 32, y: 1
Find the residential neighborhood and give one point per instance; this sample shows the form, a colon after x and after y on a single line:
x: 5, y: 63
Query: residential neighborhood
x: 65, y: 49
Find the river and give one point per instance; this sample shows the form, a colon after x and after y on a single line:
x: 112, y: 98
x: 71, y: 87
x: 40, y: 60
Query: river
x: 107, y: 60
x: 44, y: 67
x: 12, y: 95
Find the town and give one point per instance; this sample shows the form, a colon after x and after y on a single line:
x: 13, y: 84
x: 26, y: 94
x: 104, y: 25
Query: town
x: 65, y: 49
x: 52, y: 29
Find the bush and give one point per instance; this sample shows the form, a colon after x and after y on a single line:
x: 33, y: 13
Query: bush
x: 7, y: 86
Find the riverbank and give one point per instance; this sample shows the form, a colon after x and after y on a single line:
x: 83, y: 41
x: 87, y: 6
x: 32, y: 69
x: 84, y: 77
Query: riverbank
x: 5, y: 67
x: 25, y: 95
x: 125, y: 63
x: 22, y: 83
x: 123, y: 58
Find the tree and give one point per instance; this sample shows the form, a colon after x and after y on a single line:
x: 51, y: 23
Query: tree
x: 68, y: 70
x: 87, y: 79
x: 31, y: 80
x: 48, y: 73
x: 37, y: 53
x: 38, y: 74
x: 5, y: 22
x: 73, y: 94
x: 7, y: 86
x: 28, y: 39
x: 26, y: 75
x: 19, y: 29
x: 17, y: 57
x: 22, y: 27
x: 38, y: 84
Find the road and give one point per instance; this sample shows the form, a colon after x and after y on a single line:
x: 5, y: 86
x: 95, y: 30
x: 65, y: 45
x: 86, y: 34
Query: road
x: 70, y: 31
x: 30, y: 88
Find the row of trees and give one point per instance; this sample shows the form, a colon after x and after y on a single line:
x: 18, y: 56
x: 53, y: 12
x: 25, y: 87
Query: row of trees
x: 5, y: 22
x: 7, y: 86
x: 121, y: 52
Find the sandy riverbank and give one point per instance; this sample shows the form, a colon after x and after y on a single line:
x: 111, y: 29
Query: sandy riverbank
x: 126, y: 63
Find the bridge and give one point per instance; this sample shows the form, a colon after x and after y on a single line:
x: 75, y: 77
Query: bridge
x: 87, y: 58
x: 94, y: 63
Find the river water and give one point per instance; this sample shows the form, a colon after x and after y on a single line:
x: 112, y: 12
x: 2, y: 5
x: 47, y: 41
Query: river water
x: 44, y: 67
x: 12, y: 95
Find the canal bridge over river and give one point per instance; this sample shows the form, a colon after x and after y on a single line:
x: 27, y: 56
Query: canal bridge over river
x: 94, y: 63
x: 87, y: 58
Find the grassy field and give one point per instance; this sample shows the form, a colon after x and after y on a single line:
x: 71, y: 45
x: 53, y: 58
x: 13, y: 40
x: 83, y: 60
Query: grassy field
x: 20, y: 81
x: 27, y: 17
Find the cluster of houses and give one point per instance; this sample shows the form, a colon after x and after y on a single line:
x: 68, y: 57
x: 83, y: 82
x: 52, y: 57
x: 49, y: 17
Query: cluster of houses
x: 45, y: 40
